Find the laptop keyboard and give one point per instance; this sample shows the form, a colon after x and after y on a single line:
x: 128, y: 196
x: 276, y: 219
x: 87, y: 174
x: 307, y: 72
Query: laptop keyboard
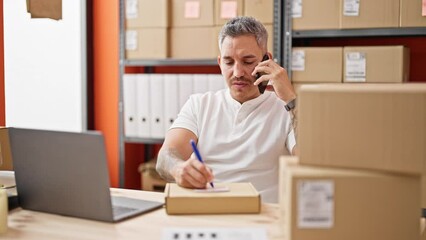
x: 119, y: 210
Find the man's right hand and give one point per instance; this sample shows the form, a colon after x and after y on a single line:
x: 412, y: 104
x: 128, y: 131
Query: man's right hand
x: 192, y: 174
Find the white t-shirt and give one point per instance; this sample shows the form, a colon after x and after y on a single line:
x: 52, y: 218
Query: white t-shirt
x: 240, y: 142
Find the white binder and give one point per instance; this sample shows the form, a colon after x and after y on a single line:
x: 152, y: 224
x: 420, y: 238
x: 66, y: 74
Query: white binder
x: 171, y: 100
x: 201, y: 83
x: 143, y: 102
x: 129, y: 99
x: 216, y: 82
x: 156, y: 86
x: 185, y: 88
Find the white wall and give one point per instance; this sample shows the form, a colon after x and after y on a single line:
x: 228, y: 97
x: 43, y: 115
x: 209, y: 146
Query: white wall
x: 45, y: 67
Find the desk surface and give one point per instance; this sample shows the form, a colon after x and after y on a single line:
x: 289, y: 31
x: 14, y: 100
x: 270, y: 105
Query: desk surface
x: 25, y: 224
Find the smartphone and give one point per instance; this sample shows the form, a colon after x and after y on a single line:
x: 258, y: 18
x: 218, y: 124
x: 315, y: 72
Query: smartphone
x: 262, y: 85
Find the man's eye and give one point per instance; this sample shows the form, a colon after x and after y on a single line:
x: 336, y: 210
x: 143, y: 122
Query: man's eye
x: 229, y: 63
x: 248, y: 63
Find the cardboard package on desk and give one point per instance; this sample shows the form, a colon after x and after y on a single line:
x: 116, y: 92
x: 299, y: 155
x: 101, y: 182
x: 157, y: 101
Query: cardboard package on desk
x: 5, y: 154
x: 241, y: 198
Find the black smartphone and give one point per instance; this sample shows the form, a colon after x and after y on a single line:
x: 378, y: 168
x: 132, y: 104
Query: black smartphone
x: 262, y: 85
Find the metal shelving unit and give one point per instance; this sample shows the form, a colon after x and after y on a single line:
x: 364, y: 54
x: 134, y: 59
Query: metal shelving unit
x: 123, y: 63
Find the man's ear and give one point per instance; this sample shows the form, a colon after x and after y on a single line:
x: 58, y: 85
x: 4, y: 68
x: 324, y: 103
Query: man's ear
x: 218, y: 60
x: 269, y: 55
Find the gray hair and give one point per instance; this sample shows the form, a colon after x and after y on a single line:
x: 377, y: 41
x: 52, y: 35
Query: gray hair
x: 244, y: 26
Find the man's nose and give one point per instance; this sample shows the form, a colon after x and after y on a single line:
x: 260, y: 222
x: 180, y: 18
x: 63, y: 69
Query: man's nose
x: 238, y: 70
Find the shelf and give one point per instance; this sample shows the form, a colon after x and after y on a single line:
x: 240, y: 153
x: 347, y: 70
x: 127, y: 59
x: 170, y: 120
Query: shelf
x: 143, y: 140
x: 370, y: 32
x: 171, y: 62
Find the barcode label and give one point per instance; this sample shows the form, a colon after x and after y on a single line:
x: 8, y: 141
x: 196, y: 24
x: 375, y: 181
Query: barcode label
x: 315, y: 204
x: 355, y: 67
x: 131, y: 9
x: 296, y: 9
x: 298, y: 60
x: 351, y: 8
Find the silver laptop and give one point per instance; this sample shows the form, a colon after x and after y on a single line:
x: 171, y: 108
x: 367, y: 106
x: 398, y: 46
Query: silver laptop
x: 66, y: 173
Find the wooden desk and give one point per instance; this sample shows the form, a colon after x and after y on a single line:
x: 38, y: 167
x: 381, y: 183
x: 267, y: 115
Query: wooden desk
x: 25, y: 224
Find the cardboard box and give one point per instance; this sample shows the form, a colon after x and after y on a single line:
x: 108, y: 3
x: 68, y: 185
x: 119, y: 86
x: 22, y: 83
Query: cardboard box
x: 227, y: 9
x: 369, y: 14
x: 241, y: 198
x: 147, y: 43
x: 5, y: 153
x: 150, y: 179
x: 262, y: 10
x: 270, y: 29
x: 147, y: 13
x: 335, y: 204
x: 192, y: 13
x: 317, y: 64
x: 317, y: 14
x: 193, y: 43
x: 380, y: 64
x: 413, y: 13
x: 366, y: 126
x: 423, y: 197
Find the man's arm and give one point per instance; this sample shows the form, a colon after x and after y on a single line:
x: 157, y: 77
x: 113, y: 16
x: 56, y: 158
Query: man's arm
x: 175, y: 165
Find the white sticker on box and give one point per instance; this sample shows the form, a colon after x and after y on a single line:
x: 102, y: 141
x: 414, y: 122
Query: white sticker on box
x: 131, y: 40
x: 356, y: 67
x: 424, y: 8
x: 298, y: 60
x: 315, y: 204
x: 228, y: 9
x: 192, y: 9
x: 131, y: 9
x: 351, y: 8
x: 296, y: 9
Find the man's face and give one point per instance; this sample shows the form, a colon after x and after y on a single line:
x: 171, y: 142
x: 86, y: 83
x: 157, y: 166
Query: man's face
x: 239, y: 56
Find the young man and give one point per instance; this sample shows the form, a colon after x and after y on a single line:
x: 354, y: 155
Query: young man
x: 240, y: 132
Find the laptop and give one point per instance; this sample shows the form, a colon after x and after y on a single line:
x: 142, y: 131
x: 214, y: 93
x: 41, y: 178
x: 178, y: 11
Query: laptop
x: 66, y: 173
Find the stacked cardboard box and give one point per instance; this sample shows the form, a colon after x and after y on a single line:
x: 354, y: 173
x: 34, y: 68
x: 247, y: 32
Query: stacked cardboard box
x: 357, y: 14
x: 147, y: 25
x: 5, y: 154
x: 332, y: 203
x: 361, y: 156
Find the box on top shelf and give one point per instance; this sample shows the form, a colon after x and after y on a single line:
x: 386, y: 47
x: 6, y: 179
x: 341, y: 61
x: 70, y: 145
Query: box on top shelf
x: 262, y: 10
x: 413, y: 13
x: 193, y: 43
x: 335, y: 204
x: 227, y: 9
x: 367, y: 126
x: 316, y: 14
x: 192, y: 13
x: 317, y: 64
x: 376, y: 64
x: 147, y: 43
x: 147, y: 13
x: 369, y: 14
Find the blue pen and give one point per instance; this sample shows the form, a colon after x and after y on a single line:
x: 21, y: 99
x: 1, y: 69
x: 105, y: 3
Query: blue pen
x: 198, y: 155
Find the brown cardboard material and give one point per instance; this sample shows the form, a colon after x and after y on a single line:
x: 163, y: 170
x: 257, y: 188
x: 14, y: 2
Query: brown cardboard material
x: 241, y: 198
x: 423, y: 197
x: 320, y: 65
x: 149, y: 13
x: 335, y: 204
x: 227, y: 9
x: 318, y: 14
x: 372, y: 14
x: 411, y: 13
x: 192, y: 13
x: 270, y: 30
x: 193, y: 43
x: 262, y: 10
x: 45, y: 9
x: 5, y: 153
x: 366, y: 126
x: 384, y: 64
x: 151, y: 43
